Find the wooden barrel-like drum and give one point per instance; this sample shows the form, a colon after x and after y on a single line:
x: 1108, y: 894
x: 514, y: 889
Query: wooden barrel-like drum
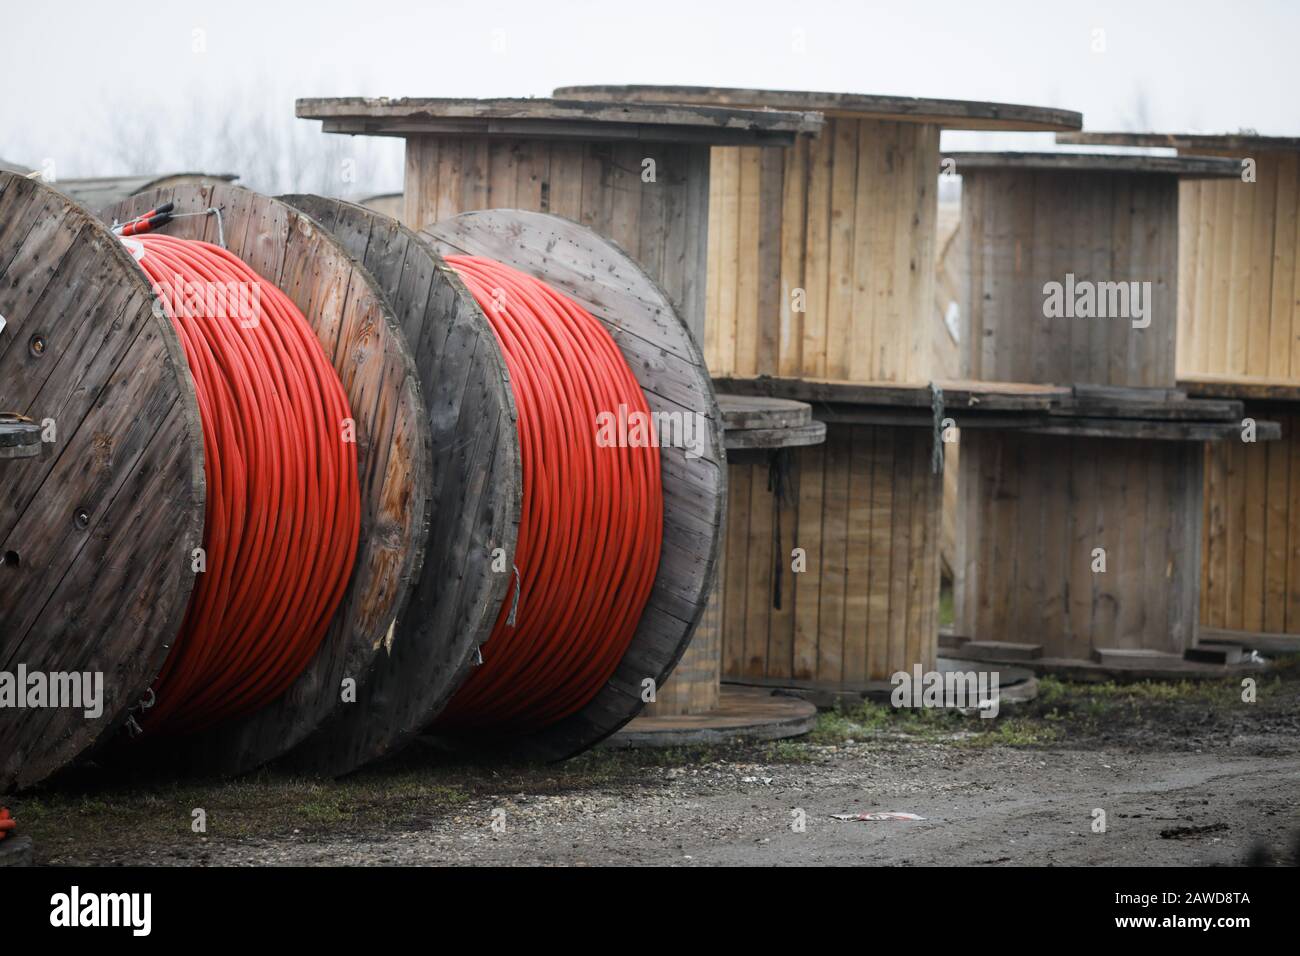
x: 1239, y: 337
x: 821, y: 266
x: 1080, y: 541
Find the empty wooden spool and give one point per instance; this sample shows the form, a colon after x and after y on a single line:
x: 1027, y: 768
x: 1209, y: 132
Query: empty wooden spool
x: 821, y: 263
x: 636, y: 174
x: 97, y: 532
x: 360, y: 335
x: 847, y: 217
x: 664, y: 356
x: 1043, y: 514
x: 1239, y: 337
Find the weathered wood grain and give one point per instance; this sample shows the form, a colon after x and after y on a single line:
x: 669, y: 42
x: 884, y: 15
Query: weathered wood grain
x: 97, y: 531
x: 476, y: 492
x: 1036, y: 507
x: 558, y: 120
x: 950, y: 114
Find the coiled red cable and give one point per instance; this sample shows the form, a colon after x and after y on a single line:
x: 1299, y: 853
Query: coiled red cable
x: 592, y: 522
x: 283, y: 502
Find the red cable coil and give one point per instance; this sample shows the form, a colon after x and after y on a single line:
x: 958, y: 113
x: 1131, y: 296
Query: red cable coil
x: 592, y: 523
x: 283, y: 510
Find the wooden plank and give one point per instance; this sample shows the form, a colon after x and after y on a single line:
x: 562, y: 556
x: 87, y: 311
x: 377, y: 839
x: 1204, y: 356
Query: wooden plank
x: 558, y: 118
x: 1284, y: 344
x: 794, y: 224
x: 951, y: 114
x: 833, y: 568
x: 810, y: 463
x: 841, y: 266
x: 862, y: 551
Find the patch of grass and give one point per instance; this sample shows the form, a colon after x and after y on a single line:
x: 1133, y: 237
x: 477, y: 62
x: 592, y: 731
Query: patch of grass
x: 1011, y: 732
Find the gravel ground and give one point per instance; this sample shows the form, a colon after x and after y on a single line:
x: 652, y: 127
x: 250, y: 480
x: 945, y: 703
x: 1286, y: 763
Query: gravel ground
x: 1185, y: 775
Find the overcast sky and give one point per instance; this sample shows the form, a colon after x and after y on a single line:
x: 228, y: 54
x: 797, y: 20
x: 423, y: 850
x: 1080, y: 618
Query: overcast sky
x: 110, y: 88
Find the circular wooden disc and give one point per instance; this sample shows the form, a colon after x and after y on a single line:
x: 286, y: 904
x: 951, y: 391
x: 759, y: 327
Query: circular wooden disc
x: 20, y: 439
x: 668, y: 362
x: 358, y: 331
x: 477, y: 491
x: 97, y: 532
x: 1184, y: 167
x: 760, y: 422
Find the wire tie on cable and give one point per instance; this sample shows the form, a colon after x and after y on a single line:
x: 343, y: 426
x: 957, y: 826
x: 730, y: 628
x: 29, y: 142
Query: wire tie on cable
x: 514, y: 605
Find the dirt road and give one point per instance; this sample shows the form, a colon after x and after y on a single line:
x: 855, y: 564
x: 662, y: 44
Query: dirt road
x: 1184, y: 774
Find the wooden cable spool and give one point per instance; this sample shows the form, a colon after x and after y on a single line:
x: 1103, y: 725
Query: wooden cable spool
x: 98, y: 531
x: 1036, y: 505
x: 695, y: 706
x: 476, y: 491
x: 820, y: 266
x: 664, y: 356
x: 849, y: 218
x: 360, y: 334
x: 1239, y: 338
x: 637, y: 174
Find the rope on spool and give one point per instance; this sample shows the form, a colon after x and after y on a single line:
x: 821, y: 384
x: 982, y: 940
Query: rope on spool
x: 592, y: 523
x: 283, y: 509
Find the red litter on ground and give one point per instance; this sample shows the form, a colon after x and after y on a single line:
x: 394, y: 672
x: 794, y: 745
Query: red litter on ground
x: 874, y: 816
x: 7, y: 823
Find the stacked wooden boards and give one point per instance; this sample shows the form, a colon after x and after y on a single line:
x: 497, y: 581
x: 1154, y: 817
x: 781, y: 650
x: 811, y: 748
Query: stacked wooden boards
x: 1079, y: 538
x: 97, y: 530
x: 638, y: 176
x: 1239, y: 337
x: 821, y: 267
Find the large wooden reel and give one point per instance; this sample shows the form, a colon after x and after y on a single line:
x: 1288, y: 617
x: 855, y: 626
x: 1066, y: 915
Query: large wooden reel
x: 359, y: 333
x: 97, y: 532
x: 670, y: 367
